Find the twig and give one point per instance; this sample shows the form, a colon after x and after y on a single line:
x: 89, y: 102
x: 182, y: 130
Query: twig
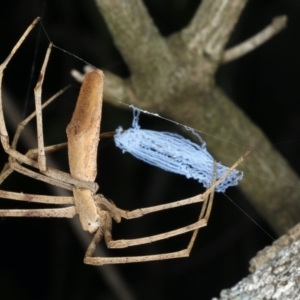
x: 116, y: 89
x: 249, y: 45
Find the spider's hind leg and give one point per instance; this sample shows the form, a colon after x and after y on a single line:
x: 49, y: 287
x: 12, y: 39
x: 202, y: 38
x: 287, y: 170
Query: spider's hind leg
x: 105, y: 230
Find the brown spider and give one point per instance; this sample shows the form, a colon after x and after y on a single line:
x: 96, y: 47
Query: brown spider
x: 94, y: 210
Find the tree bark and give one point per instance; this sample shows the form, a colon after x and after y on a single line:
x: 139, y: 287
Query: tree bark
x: 175, y: 77
x: 276, y: 272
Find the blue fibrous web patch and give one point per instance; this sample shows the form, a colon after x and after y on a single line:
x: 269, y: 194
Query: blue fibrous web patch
x: 171, y: 152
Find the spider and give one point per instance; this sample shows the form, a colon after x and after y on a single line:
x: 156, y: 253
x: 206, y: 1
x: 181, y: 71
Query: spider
x: 94, y: 210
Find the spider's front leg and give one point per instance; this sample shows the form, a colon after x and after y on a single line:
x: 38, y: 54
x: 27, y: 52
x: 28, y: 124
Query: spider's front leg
x: 3, y: 131
x: 16, y: 160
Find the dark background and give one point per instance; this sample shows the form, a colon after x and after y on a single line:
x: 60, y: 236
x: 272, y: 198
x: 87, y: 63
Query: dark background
x: 43, y: 259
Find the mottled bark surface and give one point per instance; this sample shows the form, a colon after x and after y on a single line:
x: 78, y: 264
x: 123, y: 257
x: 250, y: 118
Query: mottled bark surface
x: 276, y: 272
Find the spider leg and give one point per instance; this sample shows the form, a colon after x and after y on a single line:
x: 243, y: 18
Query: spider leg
x: 55, y: 177
x: 105, y: 230
x: 205, y: 211
x: 27, y: 172
x: 64, y: 212
x: 140, y: 212
x: 13, y: 153
x: 36, y: 198
x: 207, y: 199
x: 99, y: 261
x: 3, y: 130
x: 33, y: 153
x: 23, y: 124
x: 38, y: 108
x: 202, y: 222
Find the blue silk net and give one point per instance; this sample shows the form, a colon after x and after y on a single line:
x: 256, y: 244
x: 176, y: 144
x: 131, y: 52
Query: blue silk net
x: 171, y: 152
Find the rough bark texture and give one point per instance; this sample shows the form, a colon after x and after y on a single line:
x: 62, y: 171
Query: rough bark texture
x: 276, y: 272
x: 174, y: 77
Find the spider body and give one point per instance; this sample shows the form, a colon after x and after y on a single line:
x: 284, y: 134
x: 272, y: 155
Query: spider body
x: 83, y: 139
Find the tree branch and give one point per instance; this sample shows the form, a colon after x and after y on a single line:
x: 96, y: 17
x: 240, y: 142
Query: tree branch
x: 264, y: 256
x: 211, y: 26
x: 138, y: 39
x: 140, y: 44
x: 116, y: 89
x: 177, y: 80
x: 278, y: 24
x: 278, y: 203
x: 277, y: 274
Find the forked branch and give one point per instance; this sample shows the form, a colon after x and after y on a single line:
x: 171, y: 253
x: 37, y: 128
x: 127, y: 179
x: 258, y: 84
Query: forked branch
x: 185, y: 91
